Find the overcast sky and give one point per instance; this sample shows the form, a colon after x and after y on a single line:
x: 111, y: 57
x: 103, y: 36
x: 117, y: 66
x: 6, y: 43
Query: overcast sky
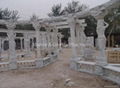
x: 40, y: 7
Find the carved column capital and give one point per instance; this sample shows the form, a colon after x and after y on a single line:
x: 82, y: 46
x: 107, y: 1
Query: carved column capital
x: 10, y: 24
x: 36, y: 25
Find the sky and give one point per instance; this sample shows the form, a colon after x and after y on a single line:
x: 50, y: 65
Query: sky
x: 41, y: 8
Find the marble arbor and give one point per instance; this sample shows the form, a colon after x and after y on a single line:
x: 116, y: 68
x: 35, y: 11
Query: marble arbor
x: 78, y: 41
x: 47, y: 42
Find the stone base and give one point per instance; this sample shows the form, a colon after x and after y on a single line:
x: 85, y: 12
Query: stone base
x: 73, y: 64
x: 13, y: 65
x: 107, y: 72
x: 99, y: 70
x: 101, y: 61
x: 39, y: 63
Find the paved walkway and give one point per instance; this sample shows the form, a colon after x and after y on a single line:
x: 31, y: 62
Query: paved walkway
x: 52, y: 76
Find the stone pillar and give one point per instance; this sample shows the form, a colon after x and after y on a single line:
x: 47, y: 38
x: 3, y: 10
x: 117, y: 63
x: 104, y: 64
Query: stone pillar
x: 55, y: 39
x: 0, y: 47
x: 49, y: 40
x: 74, y: 59
x: 12, y: 53
x: 21, y: 43
x: 27, y: 44
x: 32, y: 43
x: 52, y: 40
x: 45, y: 40
x: 81, y: 37
x: 59, y: 40
x: 72, y: 25
x: 36, y: 25
x: 69, y: 41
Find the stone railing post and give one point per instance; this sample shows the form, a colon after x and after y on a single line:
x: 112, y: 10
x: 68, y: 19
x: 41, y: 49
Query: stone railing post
x: 12, y: 53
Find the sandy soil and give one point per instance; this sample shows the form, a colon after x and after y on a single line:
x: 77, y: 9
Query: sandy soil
x: 52, y: 76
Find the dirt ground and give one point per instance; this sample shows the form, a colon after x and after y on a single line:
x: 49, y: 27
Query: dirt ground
x: 53, y: 76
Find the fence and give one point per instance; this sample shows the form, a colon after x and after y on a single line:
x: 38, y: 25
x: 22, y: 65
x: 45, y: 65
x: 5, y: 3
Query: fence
x: 113, y: 56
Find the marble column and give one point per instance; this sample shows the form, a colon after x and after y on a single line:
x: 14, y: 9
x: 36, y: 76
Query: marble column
x: 27, y: 44
x: 33, y: 44
x: 39, y: 60
x: 45, y: 41
x: 54, y: 38
x: 74, y: 59
x: 12, y: 53
x: 81, y: 37
x: 72, y: 25
x: 49, y: 40
x: 2, y: 45
x: 59, y: 40
x: 37, y: 27
x: 21, y: 43
x: 0, y: 48
x: 42, y: 41
x: 101, y: 58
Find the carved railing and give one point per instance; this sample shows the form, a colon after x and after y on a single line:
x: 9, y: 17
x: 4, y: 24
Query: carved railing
x: 84, y: 66
x: 4, y: 66
x: 112, y: 73
x: 109, y: 72
x: 26, y: 64
x: 113, y: 56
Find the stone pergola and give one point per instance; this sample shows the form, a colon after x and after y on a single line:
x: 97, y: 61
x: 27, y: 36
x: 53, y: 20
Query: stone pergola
x: 46, y: 44
x: 78, y: 41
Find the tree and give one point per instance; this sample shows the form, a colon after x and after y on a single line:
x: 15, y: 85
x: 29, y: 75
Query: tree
x: 113, y: 18
x: 7, y: 14
x: 75, y: 7
x: 56, y: 11
x: 34, y: 17
x: 90, y: 29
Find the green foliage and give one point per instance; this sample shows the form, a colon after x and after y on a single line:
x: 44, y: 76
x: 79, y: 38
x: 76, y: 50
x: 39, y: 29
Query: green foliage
x: 90, y: 29
x: 34, y: 17
x: 24, y: 27
x: 7, y: 14
x: 56, y: 10
x: 65, y: 32
x: 74, y: 7
x: 113, y: 18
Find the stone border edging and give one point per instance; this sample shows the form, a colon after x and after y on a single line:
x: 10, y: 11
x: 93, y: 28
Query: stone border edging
x: 27, y: 64
x: 108, y: 72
